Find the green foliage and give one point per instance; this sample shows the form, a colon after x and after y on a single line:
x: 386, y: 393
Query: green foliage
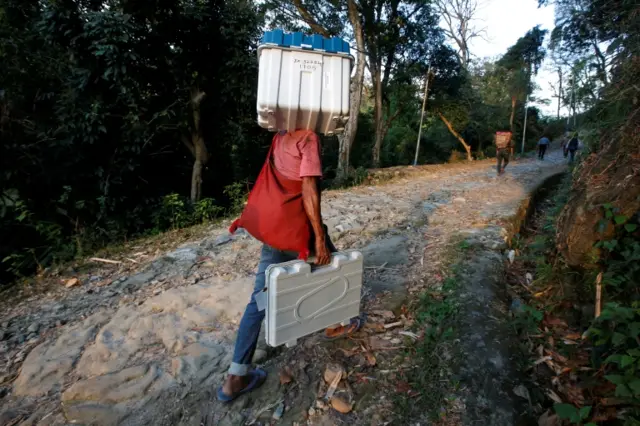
x: 93, y: 104
x: 237, y: 193
x: 617, y: 329
x: 206, y: 210
x: 574, y: 415
x: 176, y: 211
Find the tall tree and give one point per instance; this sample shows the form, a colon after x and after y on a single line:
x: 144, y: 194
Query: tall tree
x: 522, y: 61
x: 397, y: 34
x: 459, y: 18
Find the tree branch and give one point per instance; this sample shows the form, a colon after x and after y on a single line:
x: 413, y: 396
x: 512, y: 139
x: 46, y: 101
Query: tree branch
x: 309, y: 19
x: 185, y: 140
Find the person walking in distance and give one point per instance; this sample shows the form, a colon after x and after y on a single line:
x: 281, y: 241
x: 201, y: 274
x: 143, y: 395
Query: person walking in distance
x: 543, y: 143
x: 503, y: 150
x: 572, y: 147
x: 283, y: 212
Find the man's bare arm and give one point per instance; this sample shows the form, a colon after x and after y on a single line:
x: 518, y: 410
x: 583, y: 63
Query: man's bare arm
x: 311, y: 202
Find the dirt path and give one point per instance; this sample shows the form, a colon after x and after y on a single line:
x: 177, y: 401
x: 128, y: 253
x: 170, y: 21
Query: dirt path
x: 148, y: 345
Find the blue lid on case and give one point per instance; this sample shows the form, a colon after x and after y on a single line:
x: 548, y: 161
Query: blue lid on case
x: 313, y: 42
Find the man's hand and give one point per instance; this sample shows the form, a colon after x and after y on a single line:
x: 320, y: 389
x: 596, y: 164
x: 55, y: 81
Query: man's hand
x: 323, y: 255
x: 311, y: 202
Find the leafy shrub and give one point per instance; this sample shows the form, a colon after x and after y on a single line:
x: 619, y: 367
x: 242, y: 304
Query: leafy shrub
x: 206, y: 210
x: 177, y: 212
x: 237, y: 193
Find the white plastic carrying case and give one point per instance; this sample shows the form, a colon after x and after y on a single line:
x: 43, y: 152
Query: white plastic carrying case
x: 303, y: 82
x: 301, y: 301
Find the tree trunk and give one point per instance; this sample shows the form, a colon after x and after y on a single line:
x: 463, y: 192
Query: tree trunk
x: 379, y: 125
x: 457, y: 136
x: 559, y: 91
x: 347, y: 138
x: 196, y: 179
x: 196, y: 145
x: 513, y: 112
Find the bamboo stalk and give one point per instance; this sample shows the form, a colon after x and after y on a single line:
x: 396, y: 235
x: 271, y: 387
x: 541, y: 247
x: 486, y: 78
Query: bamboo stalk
x: 598, y: 294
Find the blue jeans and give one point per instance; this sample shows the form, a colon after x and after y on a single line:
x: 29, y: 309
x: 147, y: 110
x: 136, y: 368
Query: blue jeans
x: 251, y: 322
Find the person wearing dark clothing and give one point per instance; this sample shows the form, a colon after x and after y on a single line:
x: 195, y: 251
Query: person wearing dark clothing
x: 543, y: 143
x: 572, y: 147
x: 503, y: 150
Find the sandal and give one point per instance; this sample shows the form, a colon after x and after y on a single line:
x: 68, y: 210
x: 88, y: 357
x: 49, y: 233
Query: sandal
x: 258, y: 377
x: 343, y: 331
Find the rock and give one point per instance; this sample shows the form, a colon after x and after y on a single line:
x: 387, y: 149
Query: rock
x: 312, y: 411
x: 320, y: 405
x: 528, y: 278
x: 223, y: 239
x: 441, y: 197
x: 340, y: 405
x: 343, y: 227
x: 5, y: 325
x: 197, y: 362
x: 7, y: 417
x: 93, y: 414
x: 168, y: 318
x: 459, y: 200
x: 113, y: 388
x: 48, y: 363
x: 331, y: 371
x: 3, y: 335
x: 392, y: 251
x: 33, y: 328
x: 186, y: 254
x: 511, y: 256
x: 112, y: 397
x: 134, y: 282
x: 259, y: 356
x: 73, y: 282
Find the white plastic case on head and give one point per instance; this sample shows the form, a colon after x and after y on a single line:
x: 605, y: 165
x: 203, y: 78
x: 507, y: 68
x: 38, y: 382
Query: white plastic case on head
x: 303, y: 89
x: 301, y: 301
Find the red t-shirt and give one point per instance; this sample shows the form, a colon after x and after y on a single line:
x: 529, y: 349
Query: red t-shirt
x: 297, y: 154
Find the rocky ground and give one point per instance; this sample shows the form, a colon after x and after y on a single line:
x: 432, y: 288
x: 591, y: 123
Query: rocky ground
x: 145, y: 336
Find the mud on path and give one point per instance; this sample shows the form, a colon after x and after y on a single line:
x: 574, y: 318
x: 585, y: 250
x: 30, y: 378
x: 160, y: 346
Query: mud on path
x: 148, y: 340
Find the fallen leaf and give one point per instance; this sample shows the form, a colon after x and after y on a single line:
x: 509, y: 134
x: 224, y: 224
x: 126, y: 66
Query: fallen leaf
x: 375, y: 326
x: 554, y: 396
x: 554, y: 321
x: 349, y: 352
x: 72, y: 283
x: 573, y: 336
x: 341, y: 405
x: 385, y: 314
x: 548, y: 419
x: 574, y: 394
x: 285, y: 376
x: 522, y: 392
x: 402, y: 387
x: 393, y: 325
x: 376, y: 343
x: 331, y: 371
x: 371, y: 359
